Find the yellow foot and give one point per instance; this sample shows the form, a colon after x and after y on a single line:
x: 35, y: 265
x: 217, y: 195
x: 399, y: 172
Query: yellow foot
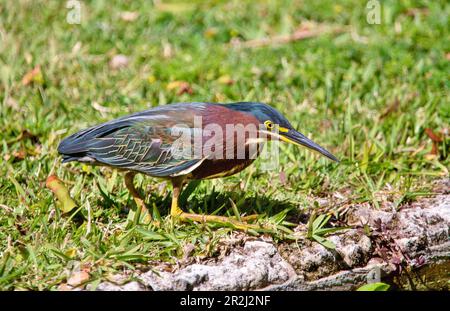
x: 219, y: 219
x: 177, y: 213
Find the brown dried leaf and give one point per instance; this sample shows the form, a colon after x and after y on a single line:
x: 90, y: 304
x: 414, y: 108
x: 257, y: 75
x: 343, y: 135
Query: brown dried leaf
x: 182, y: 87
x: 61, y: 192
x: 19, y: 154
x: 435, y: 139
x: 32, y: 75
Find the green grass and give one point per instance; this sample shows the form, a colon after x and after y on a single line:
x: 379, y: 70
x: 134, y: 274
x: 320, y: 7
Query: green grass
x: 367, y: 94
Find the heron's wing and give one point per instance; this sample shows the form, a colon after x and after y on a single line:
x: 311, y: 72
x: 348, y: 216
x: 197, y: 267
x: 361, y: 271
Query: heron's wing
x: 158, y: 144
x: 145, y: 149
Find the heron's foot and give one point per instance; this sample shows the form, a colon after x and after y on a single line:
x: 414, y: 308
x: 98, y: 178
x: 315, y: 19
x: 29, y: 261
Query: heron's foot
x: 177, y: 213
x: 238, y: 224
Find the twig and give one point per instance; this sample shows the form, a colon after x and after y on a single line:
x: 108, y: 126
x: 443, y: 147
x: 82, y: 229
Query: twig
x: 301, y: 34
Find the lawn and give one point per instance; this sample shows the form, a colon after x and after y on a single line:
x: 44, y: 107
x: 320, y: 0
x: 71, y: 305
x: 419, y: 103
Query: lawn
x: 375, y: 95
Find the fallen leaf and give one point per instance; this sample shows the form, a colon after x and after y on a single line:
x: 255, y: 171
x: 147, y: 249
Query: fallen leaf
x: 182, y: 87
x: 435, y: 138
x: 61, y: 192
x: 447, y: 56
x: 77, y: 278
x: 119, y: 61
x: 35, y: 75
x: 19, y: 154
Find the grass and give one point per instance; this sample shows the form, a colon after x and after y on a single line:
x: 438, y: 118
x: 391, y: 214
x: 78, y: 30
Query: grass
x: 368, y: 94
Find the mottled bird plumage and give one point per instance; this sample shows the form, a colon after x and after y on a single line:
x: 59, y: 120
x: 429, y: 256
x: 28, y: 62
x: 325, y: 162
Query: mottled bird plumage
x: 139, y: 142
x: 143, y: 141
x: 147, y: 142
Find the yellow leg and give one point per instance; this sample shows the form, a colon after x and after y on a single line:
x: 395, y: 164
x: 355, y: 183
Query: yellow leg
x: 141, y: 208
x: 178, y: 213
x: 177, y: 185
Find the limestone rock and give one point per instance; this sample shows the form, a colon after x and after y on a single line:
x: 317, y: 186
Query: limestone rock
x: 257, y: 265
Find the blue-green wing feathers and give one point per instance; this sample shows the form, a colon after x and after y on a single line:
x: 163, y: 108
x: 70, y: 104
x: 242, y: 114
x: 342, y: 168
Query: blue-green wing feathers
x: 141, y: 142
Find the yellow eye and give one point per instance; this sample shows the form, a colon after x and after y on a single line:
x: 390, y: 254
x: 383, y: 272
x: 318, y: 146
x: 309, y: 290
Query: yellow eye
x: 268, y: 124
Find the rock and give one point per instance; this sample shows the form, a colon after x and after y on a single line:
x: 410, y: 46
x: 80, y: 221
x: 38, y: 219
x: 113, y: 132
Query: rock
x: 77, y: 278
x: 422, y: 226
x: 414, y: 228
x: 131, y: 286
x: 257, y: 265
x: 366, y: 215
x: 353, y: 247
x: 315, y: 261
x: 417, y: 229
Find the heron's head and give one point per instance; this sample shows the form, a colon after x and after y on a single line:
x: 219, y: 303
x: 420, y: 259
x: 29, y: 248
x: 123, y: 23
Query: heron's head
x: 276, y: 124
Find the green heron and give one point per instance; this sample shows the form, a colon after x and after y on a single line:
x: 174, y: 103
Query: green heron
x: 149, y: 142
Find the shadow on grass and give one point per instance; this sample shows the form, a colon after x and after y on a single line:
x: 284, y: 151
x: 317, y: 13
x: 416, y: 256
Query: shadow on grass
x: 221, y: 203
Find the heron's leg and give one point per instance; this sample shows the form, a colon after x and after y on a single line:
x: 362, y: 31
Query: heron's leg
x: 177, y: 186
x: 141, y: 208
x: 177, y: 212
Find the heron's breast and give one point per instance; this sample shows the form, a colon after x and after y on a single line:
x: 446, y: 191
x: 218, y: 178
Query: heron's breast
x: 210, y: 169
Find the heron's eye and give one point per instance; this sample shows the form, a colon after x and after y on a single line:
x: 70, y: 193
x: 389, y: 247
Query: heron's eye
x: 268, y: 124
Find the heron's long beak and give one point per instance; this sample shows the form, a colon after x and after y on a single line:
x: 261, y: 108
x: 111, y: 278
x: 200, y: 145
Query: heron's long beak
x: 297, y: 138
